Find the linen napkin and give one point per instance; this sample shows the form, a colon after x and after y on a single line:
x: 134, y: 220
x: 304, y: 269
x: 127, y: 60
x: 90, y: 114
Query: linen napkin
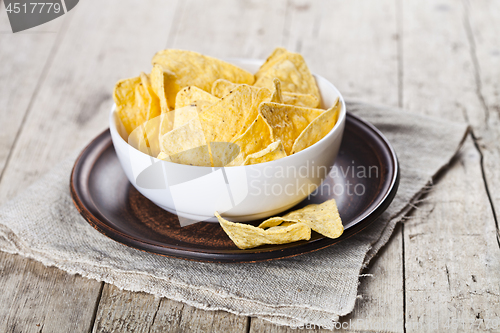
x: 314, y: 288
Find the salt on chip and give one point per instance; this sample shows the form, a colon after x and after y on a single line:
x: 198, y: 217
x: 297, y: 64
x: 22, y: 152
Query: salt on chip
x: 232, y: 114
x: 194, y: 95
x: 256, y: 138
x: 222, y: 87
x: 323, y: 218
x: 165, y: 86
x: 186, y: 144
x: 318, y: 128
x: 287, y: 121
x: 195, y: 69
x: 272, y: 152
x: 291, y: 69
x: 246, y: 236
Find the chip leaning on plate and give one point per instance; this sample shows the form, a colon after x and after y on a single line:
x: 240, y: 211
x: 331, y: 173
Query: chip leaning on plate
x: 197, y: 110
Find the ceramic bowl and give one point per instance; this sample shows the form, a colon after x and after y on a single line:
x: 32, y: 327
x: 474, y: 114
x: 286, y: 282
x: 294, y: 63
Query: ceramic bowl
x: 240, y: 193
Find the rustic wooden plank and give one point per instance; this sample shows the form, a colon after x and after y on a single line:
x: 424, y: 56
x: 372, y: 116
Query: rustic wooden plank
x: 451, y: 255
x: 70, y: 108
x: 125, y: 311
x: 22, y: 73
x: 354, y: 45
x: 174, y: 316
x: 483, y: 23
x: 43, y: 299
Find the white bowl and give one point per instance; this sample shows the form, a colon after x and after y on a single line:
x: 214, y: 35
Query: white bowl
x: 239, y: 193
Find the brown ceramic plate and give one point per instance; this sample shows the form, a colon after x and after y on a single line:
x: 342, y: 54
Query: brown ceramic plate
x: 107, y: 200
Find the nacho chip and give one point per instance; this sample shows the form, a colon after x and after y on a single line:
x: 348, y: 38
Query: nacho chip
x: 194, y: 69
x: 318, y: 128
x: 194, y: 95
x: 256, y: 138
x: 232, y: 114
x: 271, y: 60
x: 276, y: 97
x: 131, y: 102
x: 165, y: 87
x: 291, y: 69
x: 163, y: 156
x: 323, y: 218
x: 223, y: 153
x: 287, y: 122
x: 185, y: 114
x: 246, y: 236
x: 272, y: 152
x: 186, y: 144
x: 222, y: 87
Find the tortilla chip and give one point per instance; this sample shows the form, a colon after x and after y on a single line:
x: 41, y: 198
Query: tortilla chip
x: 256, y: 138
x: 271, y: 60
x: 163, y: 156
x: 194, y: 69
x: 323, y: 218
x: 222, y: 87
x: 165, y: 87
x: 194, y: 95
x: 223, y: 153
x: 232, y: 114
x: 246, y: 236
x: 291, y: 69
x: 272, y: 152
x: 186, y: 144
x: 287, y: 122
x: 185, y: 114
x: 276, y: 97
x: 135, y: 102
x: 318, y: 128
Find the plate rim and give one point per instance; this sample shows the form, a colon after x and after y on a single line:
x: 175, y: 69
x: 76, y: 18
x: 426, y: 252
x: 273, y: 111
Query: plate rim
x: 238, y: 256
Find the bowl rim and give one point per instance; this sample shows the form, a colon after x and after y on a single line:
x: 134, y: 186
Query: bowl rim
x: 339, y: 124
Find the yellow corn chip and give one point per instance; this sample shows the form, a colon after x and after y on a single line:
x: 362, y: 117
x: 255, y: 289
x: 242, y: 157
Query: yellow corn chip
x: 164, y: 156
x: 323, y: 218
x: 291, y: 69
x: 223, y: 153
x: 185, y: 114
x: 194, y: 95
x: 222, y: 87
x: 287, y: 122
x: 194, y: 69
x: 273, y: 152
x: 318, y: 128
x: 232, y: 114
x: 165, y: 87
x: 276, y: 97
x: 256, y: 138
x: 186, y: 144
x: 246, y: 236
x: 270, y: 61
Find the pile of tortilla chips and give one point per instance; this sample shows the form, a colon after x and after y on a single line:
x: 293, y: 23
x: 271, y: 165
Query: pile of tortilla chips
x: 197, y: 110
x: 294, y: 226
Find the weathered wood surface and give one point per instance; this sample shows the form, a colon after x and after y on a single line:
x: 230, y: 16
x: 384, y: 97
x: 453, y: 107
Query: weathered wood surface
x: 442, y: 59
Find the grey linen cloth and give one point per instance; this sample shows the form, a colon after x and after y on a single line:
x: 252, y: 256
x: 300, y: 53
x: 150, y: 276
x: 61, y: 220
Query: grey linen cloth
x: 314, y: 288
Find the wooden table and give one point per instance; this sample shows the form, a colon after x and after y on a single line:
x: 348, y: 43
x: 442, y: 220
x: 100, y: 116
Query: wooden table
x: 441, y: 269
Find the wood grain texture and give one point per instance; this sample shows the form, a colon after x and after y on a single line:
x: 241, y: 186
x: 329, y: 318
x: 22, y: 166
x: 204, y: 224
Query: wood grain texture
x: 70, y: 108
x: 35, y: 298
x: 451, y: 253
x: 22, y: 74
x: 483, y: 19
